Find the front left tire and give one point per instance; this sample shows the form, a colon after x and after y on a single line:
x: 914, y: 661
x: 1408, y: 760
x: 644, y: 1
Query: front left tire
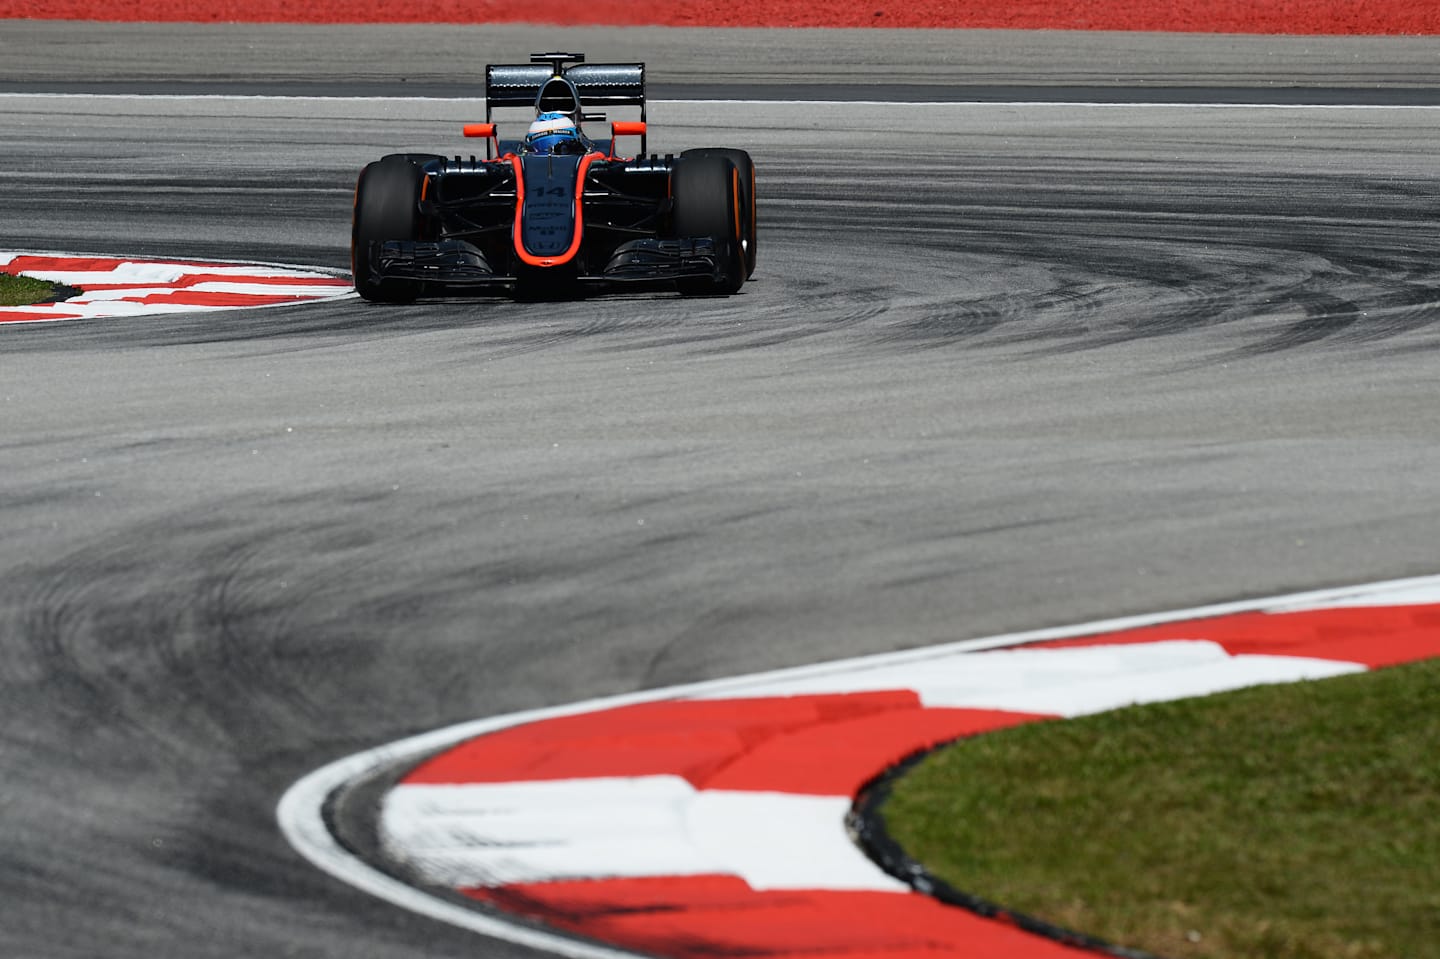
x: 387, y: 207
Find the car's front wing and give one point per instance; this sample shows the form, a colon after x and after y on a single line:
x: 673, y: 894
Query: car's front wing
x: 458, y: 264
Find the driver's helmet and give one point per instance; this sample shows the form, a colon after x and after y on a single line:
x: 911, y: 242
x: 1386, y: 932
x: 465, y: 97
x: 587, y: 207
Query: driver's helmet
x: 553, y: 133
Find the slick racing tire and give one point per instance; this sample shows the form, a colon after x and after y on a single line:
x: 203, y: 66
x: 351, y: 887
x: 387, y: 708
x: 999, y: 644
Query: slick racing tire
x: 706, y: 192
x: 746, y: 166
x: 387, y: 198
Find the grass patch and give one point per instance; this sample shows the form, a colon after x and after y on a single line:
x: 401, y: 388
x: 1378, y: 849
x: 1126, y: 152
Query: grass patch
x: 1299, y: 821
x: 23, y: 290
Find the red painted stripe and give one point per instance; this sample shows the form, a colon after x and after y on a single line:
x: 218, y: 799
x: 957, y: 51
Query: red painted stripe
x: 839, y: 758
x: 814, y: 745
x: 9, y: 316
x: 67, y: 264
x: 1373, y: 636
x: 689, y: 738
x: 701, y: 917
x: 97, y: 264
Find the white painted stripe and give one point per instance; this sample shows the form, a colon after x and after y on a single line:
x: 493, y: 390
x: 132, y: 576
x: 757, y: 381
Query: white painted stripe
x: 494, y: 834
x: 5, y: 258
x: 601, y: 855
x: 300, y: 812
x: 783, y: 841
x: 261, y: 288
x: 101, y: 308
x: 157, y: 285
x: 255, y: 270
x: 122, y: 273
x: 1204, y: 679
x: 1065, y: 682
x: 301, y: 820
x: 1420, y: 593
x: 165, y: 273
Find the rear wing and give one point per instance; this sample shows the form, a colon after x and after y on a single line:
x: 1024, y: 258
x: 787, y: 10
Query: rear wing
x: 568, y: 82
x: 598, y: 84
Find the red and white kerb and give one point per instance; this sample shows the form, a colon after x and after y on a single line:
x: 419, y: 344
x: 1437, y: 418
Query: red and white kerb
x: 113, y: 287
x: 714, y: 824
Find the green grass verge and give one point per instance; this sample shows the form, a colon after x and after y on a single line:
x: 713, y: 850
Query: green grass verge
x: 1299, y: 821
x: 23, y: 290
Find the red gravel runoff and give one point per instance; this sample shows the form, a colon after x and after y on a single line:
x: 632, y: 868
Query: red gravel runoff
x: 1307, y: 17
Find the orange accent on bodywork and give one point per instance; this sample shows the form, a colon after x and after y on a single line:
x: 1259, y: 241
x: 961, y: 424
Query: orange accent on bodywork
x: 526, y: 256
x: 735, y: 192
x: 486, y: 130
x: 627, y: 128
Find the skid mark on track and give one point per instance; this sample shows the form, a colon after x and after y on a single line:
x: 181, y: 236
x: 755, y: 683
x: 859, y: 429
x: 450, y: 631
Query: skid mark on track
x: 1006, y: 257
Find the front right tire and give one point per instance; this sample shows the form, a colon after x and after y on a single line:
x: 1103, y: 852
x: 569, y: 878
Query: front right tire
x: 749, y: 238
x: 708, y: 202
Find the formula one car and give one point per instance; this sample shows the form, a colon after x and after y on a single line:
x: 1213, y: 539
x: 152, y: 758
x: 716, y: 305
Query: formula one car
x: 557, y: 211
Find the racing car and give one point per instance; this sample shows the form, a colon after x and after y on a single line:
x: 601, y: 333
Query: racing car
x: 556, y: 212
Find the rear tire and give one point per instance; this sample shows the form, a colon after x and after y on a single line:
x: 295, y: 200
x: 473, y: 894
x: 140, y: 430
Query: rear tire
x: 706, y: 190
x: 387, y: 198
x: 746, y: 166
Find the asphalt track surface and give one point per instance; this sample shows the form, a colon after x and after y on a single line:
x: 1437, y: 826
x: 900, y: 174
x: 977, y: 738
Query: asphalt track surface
x: 1003, y: 366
